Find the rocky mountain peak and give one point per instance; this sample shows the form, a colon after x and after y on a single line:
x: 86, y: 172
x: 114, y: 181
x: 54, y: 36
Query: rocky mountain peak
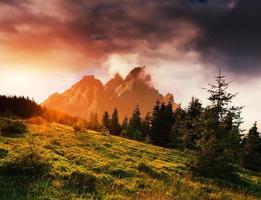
x: 90, y: 95
x: 85, y: 83
x: 112, y: 84
x: 139, y: 74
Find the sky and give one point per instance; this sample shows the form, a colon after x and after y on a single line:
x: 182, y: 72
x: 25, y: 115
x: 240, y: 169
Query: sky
x: 46, y: 46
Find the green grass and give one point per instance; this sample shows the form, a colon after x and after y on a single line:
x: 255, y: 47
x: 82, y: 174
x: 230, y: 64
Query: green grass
x: 52, y: 161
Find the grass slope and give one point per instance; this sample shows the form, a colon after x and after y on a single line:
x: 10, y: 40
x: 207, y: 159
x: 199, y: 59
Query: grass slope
x: 52, y: 161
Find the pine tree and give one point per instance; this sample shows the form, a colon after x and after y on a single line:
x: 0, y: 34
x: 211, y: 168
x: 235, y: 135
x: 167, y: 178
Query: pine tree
x: 155, y: 124
x: 106, y: 120
x: 194, y: 108
x: 115, y: 127
x: 219, y: 97
x: 135, y: 126
x: 179, y: 129
x: 231, y: 123
x: 168, y: 120
x: 124, y: 127
x: 216, y: 157
x: 146, y: 125
x: 193, y: 123
x: 252, y: 149
x: 161, y: 124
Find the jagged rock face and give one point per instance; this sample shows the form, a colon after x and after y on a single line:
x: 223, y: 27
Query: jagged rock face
x: 89, y: 95
x: 136, y: 89
x: 81, y: 99
x: 111, y: 85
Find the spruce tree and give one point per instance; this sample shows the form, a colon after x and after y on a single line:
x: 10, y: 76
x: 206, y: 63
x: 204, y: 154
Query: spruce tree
x: 231, y: 124
x: 193, y: 124
x: 179, y: 129
x: 252, y: 149
x: 135, y: 126
x: 124, y: 127
x: 115, y: 127
x: 168, y: 120
x: 161, y: 124
x: 156, y: 121
x: 216, y: 158
x: 146, y: 125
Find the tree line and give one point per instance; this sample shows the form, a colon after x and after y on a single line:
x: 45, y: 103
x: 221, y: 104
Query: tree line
x: 24, y: 107
x: 214, y: 131
x: 18, y: 106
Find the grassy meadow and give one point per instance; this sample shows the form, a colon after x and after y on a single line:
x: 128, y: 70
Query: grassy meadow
x: 52, y: 161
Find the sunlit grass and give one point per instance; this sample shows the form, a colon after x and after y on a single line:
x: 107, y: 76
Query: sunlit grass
x: 91, y: 165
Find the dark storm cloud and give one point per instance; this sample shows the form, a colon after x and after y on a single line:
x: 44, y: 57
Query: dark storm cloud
x: 229, y: 36
x: 228, y: 31
x: 232, y: 39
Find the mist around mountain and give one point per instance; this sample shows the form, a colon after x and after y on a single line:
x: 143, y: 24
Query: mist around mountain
x: 89, y: 95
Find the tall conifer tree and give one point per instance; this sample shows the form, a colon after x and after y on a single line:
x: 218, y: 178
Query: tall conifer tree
x: 216, y: 157
x: 115, y: 127
x: 193, y: 124
x: 252, y: 149
x: 135, y: 125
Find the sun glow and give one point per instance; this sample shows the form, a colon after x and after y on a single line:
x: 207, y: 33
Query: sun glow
x: 28, y: 80
x: 18, y: 79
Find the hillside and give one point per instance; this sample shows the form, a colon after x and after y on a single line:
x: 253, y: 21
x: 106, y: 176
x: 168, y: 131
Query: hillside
x: 90, y: 95
x: 88, y: 165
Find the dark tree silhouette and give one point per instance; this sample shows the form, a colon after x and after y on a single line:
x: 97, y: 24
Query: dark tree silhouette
x: 146, y: 127
x: 216, y: 157
x: 115, y: 127
x: 134, y: 130
x: 124, y: 126
x: 18, y: 106
x: 179, y: 129
x: 193, y: 124
x: 161, y: 124
x: 252, y: 149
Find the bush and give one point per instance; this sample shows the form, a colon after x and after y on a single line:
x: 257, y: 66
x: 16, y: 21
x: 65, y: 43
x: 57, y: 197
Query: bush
x: 8, y: 126
x: 3, y: 153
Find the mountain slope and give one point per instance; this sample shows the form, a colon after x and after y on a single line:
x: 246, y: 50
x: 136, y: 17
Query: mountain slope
x: 82, y: 98
x: 51, y: 161
x: 90, y: 95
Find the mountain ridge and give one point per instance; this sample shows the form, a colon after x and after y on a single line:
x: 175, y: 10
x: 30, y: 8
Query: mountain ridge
x: 90, y: 95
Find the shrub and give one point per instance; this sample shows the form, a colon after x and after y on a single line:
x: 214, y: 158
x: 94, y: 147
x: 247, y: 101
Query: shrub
x: 3, y: 153
x: 8, y: 126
